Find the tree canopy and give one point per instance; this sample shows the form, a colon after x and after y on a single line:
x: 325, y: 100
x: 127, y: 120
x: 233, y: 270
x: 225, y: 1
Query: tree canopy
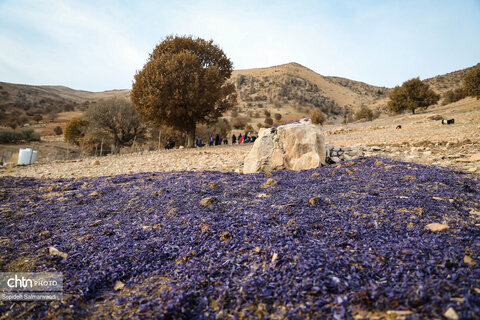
x: 472, y: 82
x: 413, y: 94
x: 118, y: 119
x: 75, y: 130
x: 184, y: 82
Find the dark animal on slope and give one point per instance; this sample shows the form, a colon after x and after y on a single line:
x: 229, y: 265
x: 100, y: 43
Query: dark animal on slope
x: 399, y: 127
x: 449, y: 121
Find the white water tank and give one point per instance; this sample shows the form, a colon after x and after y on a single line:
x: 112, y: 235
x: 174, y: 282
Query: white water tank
x: 24, y: 156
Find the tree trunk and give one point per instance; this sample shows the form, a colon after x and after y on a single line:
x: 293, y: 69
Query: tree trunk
x: 191, y: 137
x: 413, y: 111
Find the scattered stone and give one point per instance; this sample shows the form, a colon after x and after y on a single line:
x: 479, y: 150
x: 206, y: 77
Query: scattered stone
x: 469, y: 260
x: 94, y: 194
x: 55, y: 252
x: 436, y: 227
x: 314, y: 201
x: 294, y: 146
x: 451, y: 314
x: 270, y: 182
x: 335, y: 159
x: 208, y: 201
x: 118, y: 285
x: 95, y: 163
x: 375, y: 148
x: 213, y: 185
x: 268, y: 174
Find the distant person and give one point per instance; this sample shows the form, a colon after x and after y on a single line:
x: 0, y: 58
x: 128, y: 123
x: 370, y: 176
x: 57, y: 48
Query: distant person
x: 254, y: 138
x: 240, y: 138
x: 170, y: 144
x: 199, y: 143
x: 225, y: 141
x: 210, y: 141
x: 234, y: 139
x: 217, y: 139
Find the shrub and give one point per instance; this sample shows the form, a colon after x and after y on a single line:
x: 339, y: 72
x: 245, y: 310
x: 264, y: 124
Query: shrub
x: 471, y: 82
x: 267, y: 113
x: 453, y: 95
x: 26, y: 134
x: 58, y: 130
x: 318, y: 117
x: 268, y: 121
x: 239, y: 122
x: 364, y: 113
x: 75, y: 130
x: 277, y: 116
x: 37, y: 118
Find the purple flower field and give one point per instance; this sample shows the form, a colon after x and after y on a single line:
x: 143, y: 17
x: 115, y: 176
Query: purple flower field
x: 329, y: 243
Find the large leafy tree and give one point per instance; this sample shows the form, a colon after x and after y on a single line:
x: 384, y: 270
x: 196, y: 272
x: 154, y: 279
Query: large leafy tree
x: 413, y: 94
x: 471, y: 82
x: 184, y: 83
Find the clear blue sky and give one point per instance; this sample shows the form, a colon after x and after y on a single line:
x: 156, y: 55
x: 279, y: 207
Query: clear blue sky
x: 98, y: 45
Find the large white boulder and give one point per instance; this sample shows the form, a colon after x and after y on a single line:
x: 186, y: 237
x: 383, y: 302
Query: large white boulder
x: 294, y: 146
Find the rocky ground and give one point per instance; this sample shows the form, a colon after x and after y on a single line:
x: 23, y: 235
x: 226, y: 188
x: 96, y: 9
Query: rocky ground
x: 420, y: 139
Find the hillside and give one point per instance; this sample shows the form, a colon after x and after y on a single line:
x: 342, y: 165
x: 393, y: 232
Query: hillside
x: 287, y: 92
x: 451, y: 80
x: 293, y: 90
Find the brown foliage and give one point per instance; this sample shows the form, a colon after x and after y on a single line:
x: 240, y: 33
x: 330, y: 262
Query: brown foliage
x: 116, y: 118
x: 364, y: 113
x: 453, y: 95
x: 318, y: 117
x: 75, y: 130
x: 184, y: 82
x: 472, y: 82
x: 411, y: 95
x: 239, y: 122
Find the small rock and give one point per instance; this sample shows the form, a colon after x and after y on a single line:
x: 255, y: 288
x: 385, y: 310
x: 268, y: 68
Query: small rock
x: 451, y: 314
x: 94, y: 194
x: 268, y: 174
x: 469, y: 260
x: 347, y: 157
x: 435, y: 227
x: 55, y: 252
x: 213, y: 185
x: 95, y: 163
x: 208, y: 201
x: 314, y: 201
x: 181, y: 147
x: 270, y: 182
x: 335, y: 159
x: 375, y: 148
x: 118, y: 285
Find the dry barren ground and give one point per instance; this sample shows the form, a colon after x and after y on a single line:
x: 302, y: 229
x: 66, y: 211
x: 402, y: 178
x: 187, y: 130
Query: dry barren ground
x: 419, y: 140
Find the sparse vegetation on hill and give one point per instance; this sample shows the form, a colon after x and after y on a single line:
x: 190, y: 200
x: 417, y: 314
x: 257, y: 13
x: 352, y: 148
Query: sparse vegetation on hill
x: 448, y: 81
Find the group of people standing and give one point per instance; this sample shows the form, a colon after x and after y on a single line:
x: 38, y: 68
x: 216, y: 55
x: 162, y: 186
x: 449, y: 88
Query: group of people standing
x: 217, y: 140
